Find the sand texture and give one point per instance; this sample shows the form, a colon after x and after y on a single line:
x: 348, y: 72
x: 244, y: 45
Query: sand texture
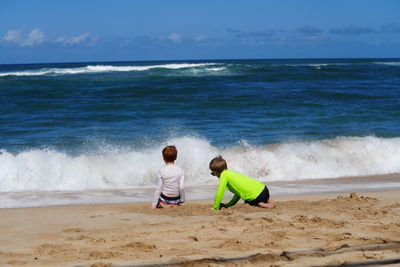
x: 314, y: 230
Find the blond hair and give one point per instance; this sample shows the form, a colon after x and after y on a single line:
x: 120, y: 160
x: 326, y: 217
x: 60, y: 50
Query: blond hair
x: 218, y: 164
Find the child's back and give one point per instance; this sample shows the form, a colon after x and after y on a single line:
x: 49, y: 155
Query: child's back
x: 170, y: 179
x: 240, y: 184
x: 171, y: 176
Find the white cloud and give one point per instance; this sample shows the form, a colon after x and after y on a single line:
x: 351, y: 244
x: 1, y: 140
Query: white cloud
x: 201, y: 38
x: 73, y: 40
x: 317, y: 37
x: 175, y: 37
x: 60, y: 39
x: 13, y: 36
x: 36, y: 36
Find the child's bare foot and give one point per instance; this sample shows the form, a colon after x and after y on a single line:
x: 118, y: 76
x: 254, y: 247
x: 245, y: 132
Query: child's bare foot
x: 272, y: 202
x: 267, y: 205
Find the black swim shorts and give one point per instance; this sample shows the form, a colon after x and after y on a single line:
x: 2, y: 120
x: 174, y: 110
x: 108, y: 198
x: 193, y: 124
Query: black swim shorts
x: 169, y: 200
x: 262, y: 197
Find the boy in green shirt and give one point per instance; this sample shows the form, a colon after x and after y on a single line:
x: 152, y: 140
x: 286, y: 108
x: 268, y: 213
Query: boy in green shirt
x: 251, y: 191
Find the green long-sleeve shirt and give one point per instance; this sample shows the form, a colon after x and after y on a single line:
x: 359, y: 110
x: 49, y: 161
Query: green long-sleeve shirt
x: 242, y: 186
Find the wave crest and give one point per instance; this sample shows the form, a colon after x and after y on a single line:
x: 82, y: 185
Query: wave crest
x: 48, y: 170
x: 103, y: 68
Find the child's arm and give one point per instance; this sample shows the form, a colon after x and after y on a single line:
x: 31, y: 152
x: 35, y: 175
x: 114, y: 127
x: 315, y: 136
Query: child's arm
x: 159, y: 186
x: 181, y: 190
x: 219, y: 195
x: 233, y: 201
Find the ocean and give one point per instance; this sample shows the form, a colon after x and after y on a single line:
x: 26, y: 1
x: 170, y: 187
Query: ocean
x: 76, y: 128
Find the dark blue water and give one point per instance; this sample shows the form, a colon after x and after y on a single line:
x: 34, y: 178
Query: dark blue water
x: 94, y: 126
x: 67, y: 106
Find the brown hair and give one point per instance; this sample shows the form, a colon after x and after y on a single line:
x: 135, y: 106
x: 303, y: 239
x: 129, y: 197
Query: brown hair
x: 218, y: 164
x: 169, y: 153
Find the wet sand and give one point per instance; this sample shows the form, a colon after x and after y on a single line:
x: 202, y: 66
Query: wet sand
x: 304, y: 230
x: 199, y: 192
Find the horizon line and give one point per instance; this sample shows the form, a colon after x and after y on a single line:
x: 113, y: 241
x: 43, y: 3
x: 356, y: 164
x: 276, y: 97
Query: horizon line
x: 193, y: 60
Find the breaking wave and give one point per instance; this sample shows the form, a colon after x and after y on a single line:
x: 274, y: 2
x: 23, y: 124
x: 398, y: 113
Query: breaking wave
x: 104, y: 68
x: 121, y: 168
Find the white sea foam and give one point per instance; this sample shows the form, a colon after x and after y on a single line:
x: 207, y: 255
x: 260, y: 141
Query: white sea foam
x: 103, y: 68
x: 49, y: 170
x: 317, y: 65
x: 395, y: 63
x: 216, y: 69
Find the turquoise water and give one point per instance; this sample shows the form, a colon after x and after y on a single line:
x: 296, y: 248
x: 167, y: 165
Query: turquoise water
x: 84, y: 126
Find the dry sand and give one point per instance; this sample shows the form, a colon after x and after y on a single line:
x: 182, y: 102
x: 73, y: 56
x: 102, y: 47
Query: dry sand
x: 338, y: 228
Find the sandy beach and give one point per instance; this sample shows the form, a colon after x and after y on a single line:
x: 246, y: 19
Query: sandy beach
x: 304, y: 230
x: 106, y: 106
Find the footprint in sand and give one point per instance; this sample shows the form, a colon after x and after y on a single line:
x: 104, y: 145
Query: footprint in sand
x: 72, y: 230
x: 139, y: 246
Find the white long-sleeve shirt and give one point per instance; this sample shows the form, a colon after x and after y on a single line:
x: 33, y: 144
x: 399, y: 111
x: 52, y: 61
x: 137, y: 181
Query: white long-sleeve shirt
x: 170, y: 180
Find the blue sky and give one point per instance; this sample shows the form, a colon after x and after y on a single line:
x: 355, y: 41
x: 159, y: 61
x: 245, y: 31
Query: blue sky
x: 122, y: 30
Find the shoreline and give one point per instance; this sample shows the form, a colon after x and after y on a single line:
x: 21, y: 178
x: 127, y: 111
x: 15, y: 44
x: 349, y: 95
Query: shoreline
x: 133, y: 234
x: 201, y: 192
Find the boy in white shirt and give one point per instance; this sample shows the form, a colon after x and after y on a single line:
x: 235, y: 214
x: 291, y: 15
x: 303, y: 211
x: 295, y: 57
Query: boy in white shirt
x: 169, y: 183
